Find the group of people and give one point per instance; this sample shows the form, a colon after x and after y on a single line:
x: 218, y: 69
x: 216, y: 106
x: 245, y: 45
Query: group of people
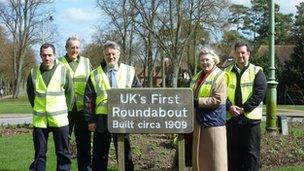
x: 65, y: 94
x: 228, y: 112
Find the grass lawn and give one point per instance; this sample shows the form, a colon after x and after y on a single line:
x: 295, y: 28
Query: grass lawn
x: 17, y: 153
x: 293, y: 107
x: 284, y: 108
x: 294, y: 168
x: 20, y: 105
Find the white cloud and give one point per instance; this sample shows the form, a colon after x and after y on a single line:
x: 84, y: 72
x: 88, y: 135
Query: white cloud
x: 242, y: 2
x: 71, y: 1
x: 79, y: 14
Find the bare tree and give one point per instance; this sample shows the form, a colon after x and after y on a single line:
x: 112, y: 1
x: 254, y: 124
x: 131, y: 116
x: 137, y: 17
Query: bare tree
x: 170, y: 30
x: 22, y: 19
x: 5, y: 74
x: 149, y: 15
x: 121, y: 14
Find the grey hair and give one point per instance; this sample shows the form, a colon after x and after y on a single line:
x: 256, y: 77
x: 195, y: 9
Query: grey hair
x: 111, y: 45
x: 72, y: 38
x: 208, y: 51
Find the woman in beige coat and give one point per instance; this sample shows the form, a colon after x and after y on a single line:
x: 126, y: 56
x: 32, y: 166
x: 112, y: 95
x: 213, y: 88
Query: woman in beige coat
x: 209, y: 135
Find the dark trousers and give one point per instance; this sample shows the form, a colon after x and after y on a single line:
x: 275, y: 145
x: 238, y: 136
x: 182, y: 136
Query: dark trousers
x: 101, y: 147
x: 188, y: 148
x: 61, y: 140
x: 82, y: 137
x: 243, y: 142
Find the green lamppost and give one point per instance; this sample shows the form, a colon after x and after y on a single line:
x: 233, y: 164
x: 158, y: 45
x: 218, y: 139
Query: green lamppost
x: 271, y: 95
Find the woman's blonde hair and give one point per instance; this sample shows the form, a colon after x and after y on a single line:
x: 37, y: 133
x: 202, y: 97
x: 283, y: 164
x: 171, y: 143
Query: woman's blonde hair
x: 208, y: 51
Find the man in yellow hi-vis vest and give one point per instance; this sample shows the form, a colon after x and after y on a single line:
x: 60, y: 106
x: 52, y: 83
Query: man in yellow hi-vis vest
x: 80, y: 68
x: 245, y: 92
x: 110, y: 74
x: 50, y: 90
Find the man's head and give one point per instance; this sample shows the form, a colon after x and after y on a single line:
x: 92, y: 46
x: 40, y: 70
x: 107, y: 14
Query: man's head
x: 241, y: 54
x: 72, y: 47
x: 111, y: 53
x: 47, y: 54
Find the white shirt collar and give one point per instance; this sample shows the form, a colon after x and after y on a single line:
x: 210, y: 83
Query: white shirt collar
x: 238, y: 69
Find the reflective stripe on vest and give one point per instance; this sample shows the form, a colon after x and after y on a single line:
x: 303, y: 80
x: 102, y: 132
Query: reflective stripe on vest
x: 50, y: 107
x: 101, y: 84
x: 246, y: 83
x: 80, y: 77
x: 206, y: 87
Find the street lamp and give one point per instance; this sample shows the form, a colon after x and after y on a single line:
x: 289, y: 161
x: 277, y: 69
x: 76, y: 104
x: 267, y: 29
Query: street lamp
x: 271, y: 95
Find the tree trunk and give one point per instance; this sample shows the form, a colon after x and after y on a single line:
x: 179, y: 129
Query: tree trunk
x: 150, y: 64
x: 17, y: 81
x: 163, y: 72
x: 176, y: 67
x: 16, y: 89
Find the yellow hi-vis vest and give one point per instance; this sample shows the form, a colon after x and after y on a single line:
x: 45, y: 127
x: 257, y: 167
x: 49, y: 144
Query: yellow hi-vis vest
x: 246, y: 81
x: 80, y: 77
x: 50, y: 108
x: 101, y: 84
x: 206, y: 89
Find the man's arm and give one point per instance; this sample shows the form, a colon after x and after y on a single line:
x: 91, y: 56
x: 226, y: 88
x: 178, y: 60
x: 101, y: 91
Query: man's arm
x: 89, y: 102
x: 90, y: 105
x: 259, y: 90
x: 69, y: 90
x: 30, y: 90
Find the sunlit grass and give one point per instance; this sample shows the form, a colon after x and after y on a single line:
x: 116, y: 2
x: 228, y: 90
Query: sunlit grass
x: 20, y: 105
x: 17, y: 153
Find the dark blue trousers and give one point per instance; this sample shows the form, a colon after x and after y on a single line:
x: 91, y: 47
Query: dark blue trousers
x: 61, y: 140
x: 101, y: 146
x: 243, y: 141
x: 83, y: 139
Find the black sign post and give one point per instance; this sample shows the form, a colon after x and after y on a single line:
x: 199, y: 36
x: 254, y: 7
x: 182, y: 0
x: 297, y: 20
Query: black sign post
x: 151, y: 110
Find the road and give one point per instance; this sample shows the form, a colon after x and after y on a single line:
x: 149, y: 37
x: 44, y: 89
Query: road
x: 14, y: 119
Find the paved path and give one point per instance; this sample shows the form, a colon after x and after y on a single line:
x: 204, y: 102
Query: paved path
x: 292, y: 115
x: 13, y: 119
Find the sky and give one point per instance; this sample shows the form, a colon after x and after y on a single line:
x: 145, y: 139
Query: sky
x: 76, y: 17
x: 286, y: 6
x: 82, y: 17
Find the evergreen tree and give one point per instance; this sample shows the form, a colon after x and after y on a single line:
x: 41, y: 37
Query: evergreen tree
x: 294, y: 67
x: 262, y: 61
x: 228, y: 41
x: 253, y: 23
